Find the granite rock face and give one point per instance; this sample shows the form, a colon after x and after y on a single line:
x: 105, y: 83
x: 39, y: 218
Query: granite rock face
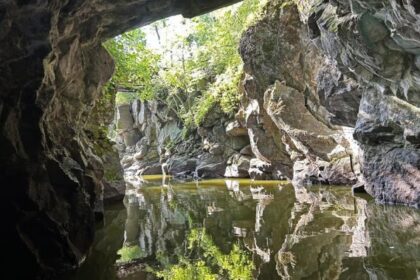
x: 314, y: 108
x: 377, y: 43
x: 282, y: 104
x: 151, y: 141
x: 350, y: 68
x: 52, y: 69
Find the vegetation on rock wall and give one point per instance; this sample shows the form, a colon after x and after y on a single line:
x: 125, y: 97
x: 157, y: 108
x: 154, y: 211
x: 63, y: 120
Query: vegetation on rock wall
x: 202, y: 72
x: 136, y: 66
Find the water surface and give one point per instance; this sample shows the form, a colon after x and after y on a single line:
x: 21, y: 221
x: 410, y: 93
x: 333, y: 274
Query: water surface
x: 239, y: 229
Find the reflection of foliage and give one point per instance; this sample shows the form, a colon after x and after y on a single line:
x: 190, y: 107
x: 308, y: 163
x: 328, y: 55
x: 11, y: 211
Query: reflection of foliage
x: 129, y: 253
x: 235, y: 265
x: 187, y: 270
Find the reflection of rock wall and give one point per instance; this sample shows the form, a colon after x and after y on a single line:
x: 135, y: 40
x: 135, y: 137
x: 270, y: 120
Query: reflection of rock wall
x: 337, y: 236
x: 108, y: 239
x: 400, y: 244
x: 325, y: 233
x: 327, y: 228
x: 159, y: 221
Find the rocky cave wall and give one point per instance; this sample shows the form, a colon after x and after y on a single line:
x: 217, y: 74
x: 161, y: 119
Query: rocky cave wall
x: 289, y: 127
x: 377, y: 43
x: 338, y: 95
x: 52, y: 69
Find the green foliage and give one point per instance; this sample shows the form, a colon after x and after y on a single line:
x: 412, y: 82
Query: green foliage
x: 135, y: 65
x: 187, y: 270
x: 226, y: 88
x: 129, y: 253
x: 202, y: 107
x: 201, y: 73
x: 214, y: 67
x: 237, y: 264
x: 125, y: 97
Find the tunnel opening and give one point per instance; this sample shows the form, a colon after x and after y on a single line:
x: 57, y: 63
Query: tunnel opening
x: 177, y: 91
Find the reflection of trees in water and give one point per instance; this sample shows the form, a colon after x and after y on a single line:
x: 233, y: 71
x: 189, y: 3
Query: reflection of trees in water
x: 206, y: 260
x: 325, y: 233
x: 158, y: 221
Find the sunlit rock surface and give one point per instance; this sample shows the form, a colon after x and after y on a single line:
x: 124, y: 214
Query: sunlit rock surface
x: 377, y: 43
x: 291, y: 129
x: 350, y: 64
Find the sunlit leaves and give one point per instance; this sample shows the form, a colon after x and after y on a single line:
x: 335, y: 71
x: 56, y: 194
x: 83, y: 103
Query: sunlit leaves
x: 136, y: 67
x: 197, y: 71
x: 213, y: 68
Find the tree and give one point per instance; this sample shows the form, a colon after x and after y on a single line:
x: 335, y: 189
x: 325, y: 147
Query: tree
x: 136, y: 67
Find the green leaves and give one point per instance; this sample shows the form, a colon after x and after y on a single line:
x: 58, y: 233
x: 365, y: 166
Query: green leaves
x: 136, y: 67
x: 197, y: 71
x: 214, y: 65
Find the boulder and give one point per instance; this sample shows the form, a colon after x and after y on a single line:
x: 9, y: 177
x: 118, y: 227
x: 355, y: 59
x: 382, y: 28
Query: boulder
x: 181, y: 166
x: 260, y: 170
x: 130, y: 137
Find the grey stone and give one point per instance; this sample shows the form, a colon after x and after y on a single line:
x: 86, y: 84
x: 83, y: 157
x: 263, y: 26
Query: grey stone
x: 238, y: 167
x: 235, y: 129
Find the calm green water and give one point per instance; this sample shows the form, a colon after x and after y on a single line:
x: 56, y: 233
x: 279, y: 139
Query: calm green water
x: 238, y: 229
